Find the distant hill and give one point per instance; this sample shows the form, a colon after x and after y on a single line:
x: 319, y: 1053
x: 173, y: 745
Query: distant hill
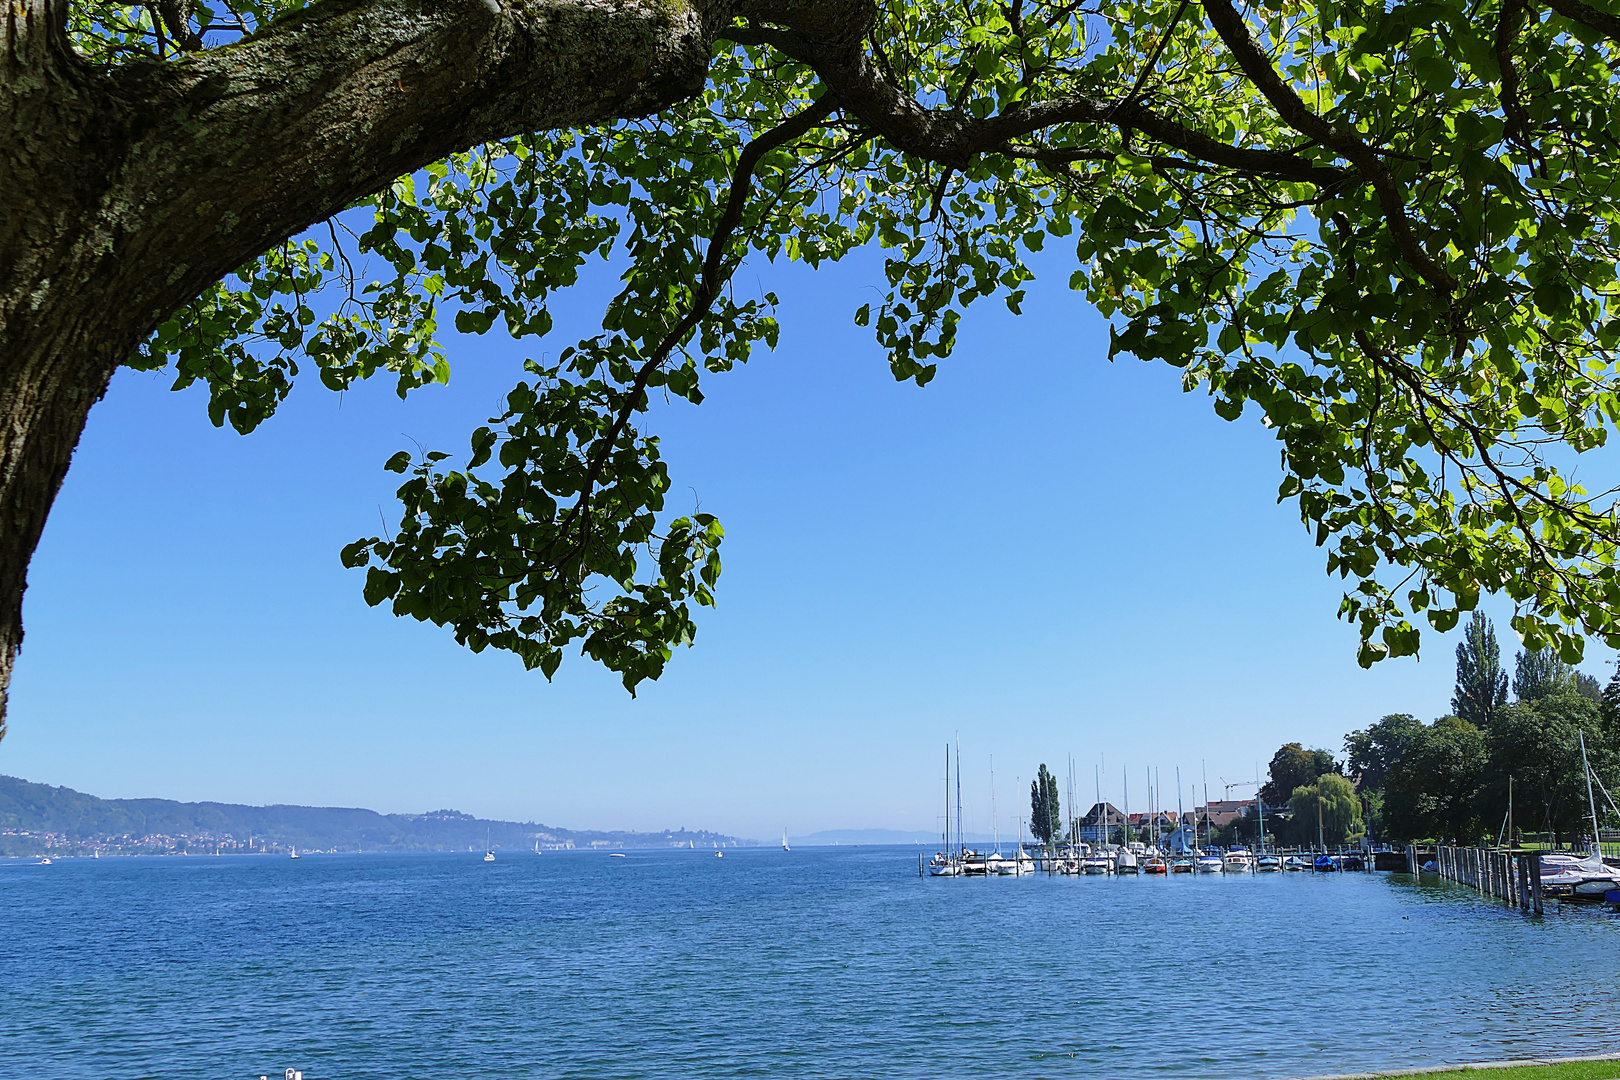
x: 38, y: 818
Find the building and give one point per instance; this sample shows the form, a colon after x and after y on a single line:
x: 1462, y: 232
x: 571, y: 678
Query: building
x: 1098, y: 824
x: 1156, y: 825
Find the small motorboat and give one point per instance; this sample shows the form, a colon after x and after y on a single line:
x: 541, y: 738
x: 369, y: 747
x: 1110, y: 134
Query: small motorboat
x: 975, y: 864
x: 1125, y: 863
x: 617, y: 855
x: 1018, y: 865
x: 44, y: 860
x: 1324, y: 864
x: 1210, y: 864
x: 1268, y: 864
x: 1239, y: 861
x: 1352, y: 860
x: 719, y: 854
x: 1294, y: 864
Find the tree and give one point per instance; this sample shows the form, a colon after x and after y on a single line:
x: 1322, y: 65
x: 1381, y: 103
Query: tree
x: 1332, y: 801
x: 1383, y: 238
x: 1609, y: 708
x: 1481, y: 682
x: 1293, y: 766
x: 1373, y: 814
x: 1537, y: 744
x: 1538, y: 673
x: 1588, y: 687
x: 1373, y: 750
x: 1431, y: 790
x: 1045, y: 809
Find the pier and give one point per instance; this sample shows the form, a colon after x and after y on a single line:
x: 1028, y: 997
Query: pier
x: 1513, y: 877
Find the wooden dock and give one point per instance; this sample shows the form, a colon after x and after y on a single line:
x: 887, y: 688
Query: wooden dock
x: 1513, y: 877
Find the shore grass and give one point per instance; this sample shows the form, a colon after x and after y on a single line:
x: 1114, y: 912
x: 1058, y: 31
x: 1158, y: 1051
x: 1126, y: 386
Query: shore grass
x: 1569, y: 1070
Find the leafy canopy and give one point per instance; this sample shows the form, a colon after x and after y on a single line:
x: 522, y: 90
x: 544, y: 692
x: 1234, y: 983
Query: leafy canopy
x: 1481, y: 687
x: 1328, y: 808
x: 1432, y: 790
x: 1387, y: 230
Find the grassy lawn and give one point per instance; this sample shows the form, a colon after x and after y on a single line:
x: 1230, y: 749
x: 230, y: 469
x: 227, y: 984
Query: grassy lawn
x: 1574, y: 1070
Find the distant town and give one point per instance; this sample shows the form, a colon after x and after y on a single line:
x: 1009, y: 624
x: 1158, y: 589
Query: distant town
x: 38, y: 819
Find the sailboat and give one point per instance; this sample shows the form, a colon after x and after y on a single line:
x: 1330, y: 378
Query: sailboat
x: 995, y: 862
x: 1588, y: 878
x: 1098, y: 861
x: 1182, y: 862
x: 944, y: 864
x: 784, y: 841
x: 295, y: 854
x: 1265, y: 864
x: 1020, y: 863
x: 1323, y: 863
x: 1125, y: 862
x: 489, y: 853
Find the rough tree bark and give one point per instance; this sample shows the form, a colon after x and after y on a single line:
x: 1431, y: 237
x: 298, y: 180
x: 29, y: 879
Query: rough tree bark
x: 126, y: 191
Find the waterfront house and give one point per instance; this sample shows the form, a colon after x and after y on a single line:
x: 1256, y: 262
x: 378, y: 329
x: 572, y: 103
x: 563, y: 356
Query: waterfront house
x: 1097, y: 825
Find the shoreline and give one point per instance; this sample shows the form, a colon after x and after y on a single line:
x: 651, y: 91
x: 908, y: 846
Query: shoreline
x: 1428, y: 1070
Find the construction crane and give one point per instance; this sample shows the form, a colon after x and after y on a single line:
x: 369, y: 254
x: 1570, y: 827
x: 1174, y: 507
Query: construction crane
x: 1239, y: 783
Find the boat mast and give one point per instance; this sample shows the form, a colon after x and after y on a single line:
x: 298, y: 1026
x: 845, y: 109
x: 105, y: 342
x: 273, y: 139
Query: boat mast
x: 1209, y: 835
x: 1072, y: 818
x: 1102, y: 817
x: 1591, y: 802
x: 945, y: 837
x: 995, y: 827
x: 1181, y: 815
x: 1125, y: 781
x: 960, y: 846
x: 1018, y: 785
x: 1259, y: 809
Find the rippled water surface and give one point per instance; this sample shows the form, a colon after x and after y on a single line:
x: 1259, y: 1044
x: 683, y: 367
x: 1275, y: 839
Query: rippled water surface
x: 819, y: 963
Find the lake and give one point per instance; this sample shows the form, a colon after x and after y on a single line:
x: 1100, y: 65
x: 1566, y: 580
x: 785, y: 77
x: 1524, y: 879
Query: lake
x: 829, y: 962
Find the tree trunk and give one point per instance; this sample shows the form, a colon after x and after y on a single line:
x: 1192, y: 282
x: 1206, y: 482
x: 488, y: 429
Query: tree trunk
x: 126, y: 191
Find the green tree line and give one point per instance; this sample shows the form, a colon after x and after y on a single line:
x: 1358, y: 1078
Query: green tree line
x: 1451, y: 779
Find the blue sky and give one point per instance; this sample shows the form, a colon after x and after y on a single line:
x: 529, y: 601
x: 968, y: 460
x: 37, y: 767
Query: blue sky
x: 1041, y: 552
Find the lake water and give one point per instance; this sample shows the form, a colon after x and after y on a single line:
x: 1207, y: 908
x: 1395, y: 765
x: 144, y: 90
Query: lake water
x: 814, y: 963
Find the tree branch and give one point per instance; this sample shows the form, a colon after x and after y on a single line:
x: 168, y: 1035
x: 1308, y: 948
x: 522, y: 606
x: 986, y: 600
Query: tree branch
x: 953, y: 138
x: 1507, y: 29
x: 1255, y: 64
x: 1587, y: 15
x: 704, y: 295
